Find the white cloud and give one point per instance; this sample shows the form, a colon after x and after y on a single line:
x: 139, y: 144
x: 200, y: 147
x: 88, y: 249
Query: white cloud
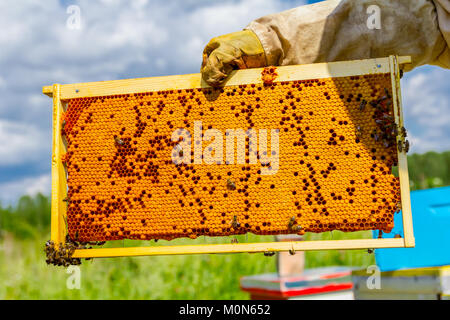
x: 40, y: 184
x: 11, y: 191
x: 20, y: 143
x: 118, y: 38
x: 426, y: 103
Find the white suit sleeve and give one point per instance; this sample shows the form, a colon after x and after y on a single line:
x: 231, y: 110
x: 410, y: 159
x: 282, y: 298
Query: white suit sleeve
x: 339, y: 30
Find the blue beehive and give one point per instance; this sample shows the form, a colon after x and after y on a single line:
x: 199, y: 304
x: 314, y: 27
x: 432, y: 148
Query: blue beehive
x: 431, y: 222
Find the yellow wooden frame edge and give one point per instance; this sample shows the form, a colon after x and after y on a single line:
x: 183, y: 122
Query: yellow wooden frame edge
x: 249, y: 76
x: 241, y: 248
x: 59, y: 178
x: 59, y: 93
x: 408, y: 232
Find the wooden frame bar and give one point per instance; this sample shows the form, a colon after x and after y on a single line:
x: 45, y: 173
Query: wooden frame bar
x: 61, y: 93
x: 241, y: 247
x: 59, y: 179
x: 402, y: 158
x: 249, y: 76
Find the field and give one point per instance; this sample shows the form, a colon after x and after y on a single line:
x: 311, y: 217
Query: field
x: 24, y: 274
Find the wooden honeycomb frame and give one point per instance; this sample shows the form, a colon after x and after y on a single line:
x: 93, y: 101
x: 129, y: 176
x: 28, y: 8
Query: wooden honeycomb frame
x: 61, y: 93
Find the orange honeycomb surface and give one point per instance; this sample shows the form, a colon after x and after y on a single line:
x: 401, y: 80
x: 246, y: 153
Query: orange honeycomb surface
x: 336, y: 151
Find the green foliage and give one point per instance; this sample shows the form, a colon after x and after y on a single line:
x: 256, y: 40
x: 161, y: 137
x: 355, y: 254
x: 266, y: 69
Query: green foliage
x: 26, y: 276
x: 429, y: 170
x: 28, y: 219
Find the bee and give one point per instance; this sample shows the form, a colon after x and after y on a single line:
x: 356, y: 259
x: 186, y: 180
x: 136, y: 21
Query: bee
x: 386, y: 144
x: 380, y: 234
x: 118, y: 141
x: 359, y: 132
x: 291, y: 222
x: 383, y: 98
x: 235, y: 224
x: 376, y: 136
x: 269, y: 253
x: 400, y: 146
x: 234, y: 240
x: 386, y: 91
x: 406, y: 146
x: 231, y: 185
x: 362, y: 105
x: 370, y: 251
x: 91, y: 243
x: 403, y: 131
x: 69, y: 240
x: 394, y: 130
x: 292, y: 252
x: 397, y: 236
x: 66, y: 199
x: 179, y: 150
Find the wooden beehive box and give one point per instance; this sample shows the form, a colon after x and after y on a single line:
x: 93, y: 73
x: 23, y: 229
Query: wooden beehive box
x: 282, y: 150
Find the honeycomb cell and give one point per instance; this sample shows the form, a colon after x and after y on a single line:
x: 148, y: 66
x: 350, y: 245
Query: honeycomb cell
x: 336, y: 150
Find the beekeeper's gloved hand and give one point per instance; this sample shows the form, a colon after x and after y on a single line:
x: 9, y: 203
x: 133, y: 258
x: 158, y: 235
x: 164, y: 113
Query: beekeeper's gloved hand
x: 238, y: 50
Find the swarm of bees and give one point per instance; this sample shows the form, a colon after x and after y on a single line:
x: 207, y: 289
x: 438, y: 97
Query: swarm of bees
x: 403, y: 144
x: 387, y: 128
x: 386, y: 131
x: 61, y: 254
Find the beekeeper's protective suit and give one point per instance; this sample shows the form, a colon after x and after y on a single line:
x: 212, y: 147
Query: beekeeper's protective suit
x: 335, y: 30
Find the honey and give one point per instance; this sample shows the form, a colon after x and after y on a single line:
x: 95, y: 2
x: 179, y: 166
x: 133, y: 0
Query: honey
x: 336, y: 148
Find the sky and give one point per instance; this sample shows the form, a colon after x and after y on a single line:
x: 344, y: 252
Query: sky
x: 120, y: 39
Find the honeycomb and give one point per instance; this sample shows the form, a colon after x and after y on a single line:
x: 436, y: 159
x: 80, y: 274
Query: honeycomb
x: 336, y: 150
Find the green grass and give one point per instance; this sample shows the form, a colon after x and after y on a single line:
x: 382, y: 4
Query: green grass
x: 26, y: 276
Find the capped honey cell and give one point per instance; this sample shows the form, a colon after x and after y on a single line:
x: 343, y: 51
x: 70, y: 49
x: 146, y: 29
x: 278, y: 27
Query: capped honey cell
x: 159, y: 165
